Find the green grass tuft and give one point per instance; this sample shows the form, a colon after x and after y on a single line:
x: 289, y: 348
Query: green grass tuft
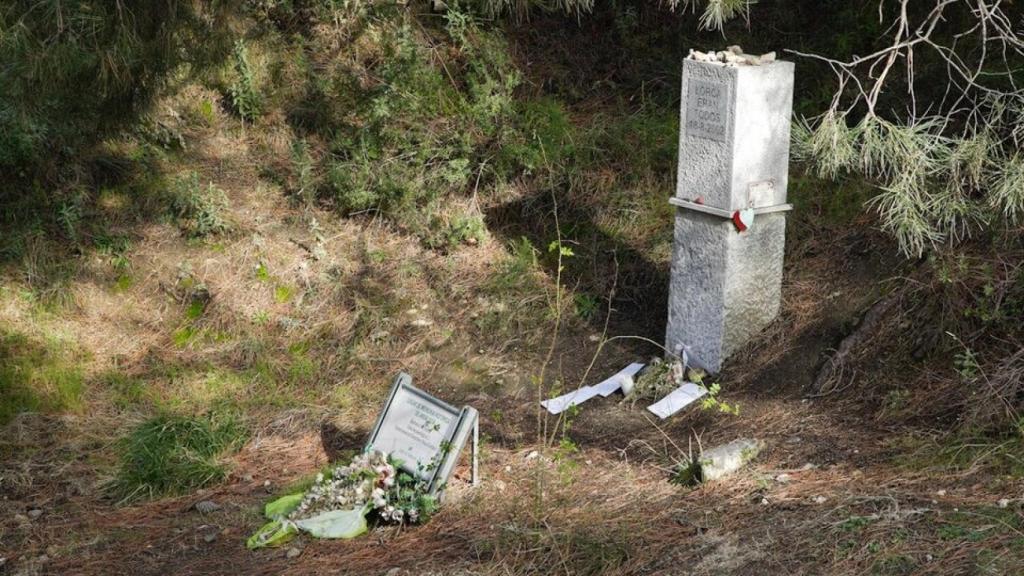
x: 37, y: 376
x: 171, y: 454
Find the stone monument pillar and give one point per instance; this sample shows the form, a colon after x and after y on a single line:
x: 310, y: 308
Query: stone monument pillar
x: 730, y: 200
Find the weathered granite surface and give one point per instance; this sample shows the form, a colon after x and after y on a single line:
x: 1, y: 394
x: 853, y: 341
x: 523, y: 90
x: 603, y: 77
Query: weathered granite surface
x: 733, y: 155
x: 725, y: 459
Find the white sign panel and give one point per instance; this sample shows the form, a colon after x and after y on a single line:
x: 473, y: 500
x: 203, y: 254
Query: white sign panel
x: 679, y: 398
x: 415, y: 429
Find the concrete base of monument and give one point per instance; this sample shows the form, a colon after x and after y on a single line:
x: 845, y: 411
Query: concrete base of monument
x: 726, y: 285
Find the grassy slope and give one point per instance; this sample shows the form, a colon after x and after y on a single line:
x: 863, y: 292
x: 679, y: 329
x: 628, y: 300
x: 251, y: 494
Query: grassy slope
x: 296, y: 316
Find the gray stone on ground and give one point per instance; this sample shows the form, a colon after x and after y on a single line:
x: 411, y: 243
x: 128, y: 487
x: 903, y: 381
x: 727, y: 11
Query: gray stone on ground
x: 725, y: 459
x: 206, y: 506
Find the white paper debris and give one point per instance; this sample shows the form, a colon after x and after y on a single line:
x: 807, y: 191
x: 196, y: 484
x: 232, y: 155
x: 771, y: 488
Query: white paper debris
x: 677, y: 400
x: 607, y: 387
x: 559, y: 404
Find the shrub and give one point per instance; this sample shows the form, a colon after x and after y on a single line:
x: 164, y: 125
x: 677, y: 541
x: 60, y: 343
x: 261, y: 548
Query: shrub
x: 199, y: 212
x: 245, y: 98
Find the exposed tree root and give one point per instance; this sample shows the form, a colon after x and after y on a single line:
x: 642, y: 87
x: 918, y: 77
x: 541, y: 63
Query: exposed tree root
x: 833, y: 373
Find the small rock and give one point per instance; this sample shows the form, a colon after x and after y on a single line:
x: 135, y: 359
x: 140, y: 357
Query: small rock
x: 725, y: 459
x: 206, y: 506
x: 293, y: 553
x: 393, y: 572
x: 783, y: 478
x: 247, y: 478
x: 43, y: 559
x: 809, y: 466
x: 21, y: 519
x: 210, y: 537
x: 940, y: 492
x: 533, y: 454
x: 820, y: 499
x: 35, y: 513
x: 1004, y: 502
x: 764, y: 501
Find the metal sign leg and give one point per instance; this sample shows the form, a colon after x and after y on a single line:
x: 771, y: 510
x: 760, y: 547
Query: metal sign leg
x: 476, y: 451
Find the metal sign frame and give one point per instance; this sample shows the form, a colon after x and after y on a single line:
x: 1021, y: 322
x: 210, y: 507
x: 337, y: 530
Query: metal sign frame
x: 466, y: 422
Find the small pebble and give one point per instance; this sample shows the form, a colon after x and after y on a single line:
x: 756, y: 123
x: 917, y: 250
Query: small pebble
x: 764, y: 501
x: 940, y: 492
x: 820, y: 499
x: 208, y: 538
x: 293, y: 553
x: 783, y: 478
x: 1004, y: 502
x: 35, y: 513
x: 206, y: 506
x: 531, y: 455
x: 247, y: 478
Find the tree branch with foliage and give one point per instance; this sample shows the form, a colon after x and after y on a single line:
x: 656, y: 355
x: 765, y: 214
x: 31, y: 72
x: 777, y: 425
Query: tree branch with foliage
x: 943, y: 139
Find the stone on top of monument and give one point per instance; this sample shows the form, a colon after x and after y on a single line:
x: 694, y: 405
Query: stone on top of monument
x: 732, y: 56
